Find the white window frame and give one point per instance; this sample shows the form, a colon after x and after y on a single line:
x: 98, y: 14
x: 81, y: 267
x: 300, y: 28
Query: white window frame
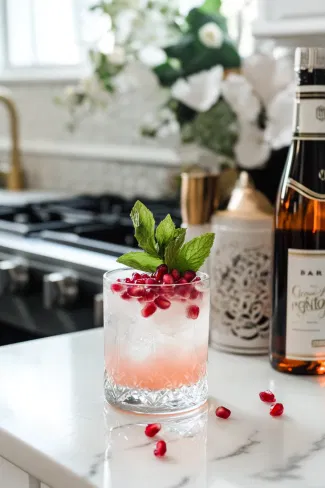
x: 11, y: 74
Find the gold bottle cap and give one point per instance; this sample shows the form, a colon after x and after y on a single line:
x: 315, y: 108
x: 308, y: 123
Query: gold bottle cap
x: 246, y: 202
x: 199, y: 196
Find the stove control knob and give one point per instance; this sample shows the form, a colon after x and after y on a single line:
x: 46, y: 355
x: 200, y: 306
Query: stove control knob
x: 60, y: 289
x: 14, y: 275
x: 98, y: 310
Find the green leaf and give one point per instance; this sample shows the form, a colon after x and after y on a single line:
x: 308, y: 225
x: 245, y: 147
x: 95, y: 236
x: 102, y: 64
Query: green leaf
x: 140, y: 260
x: 211, y: 6
x: 173, y: 247
x: 165, y: 233
x: 197, y: 18
x: 167, y: 74
x: 206, y: 58
x: 193, y: 254
x: 144, y: 228
x: 183, y: 50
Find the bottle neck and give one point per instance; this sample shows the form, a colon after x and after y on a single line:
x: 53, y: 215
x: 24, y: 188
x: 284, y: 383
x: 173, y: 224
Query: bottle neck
x: 309, y: 113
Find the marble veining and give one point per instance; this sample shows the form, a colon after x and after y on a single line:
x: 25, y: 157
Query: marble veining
x: 55, y: 426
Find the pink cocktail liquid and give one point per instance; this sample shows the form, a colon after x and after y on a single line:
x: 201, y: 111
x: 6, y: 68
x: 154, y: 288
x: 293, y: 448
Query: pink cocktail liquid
x: 172, y: 369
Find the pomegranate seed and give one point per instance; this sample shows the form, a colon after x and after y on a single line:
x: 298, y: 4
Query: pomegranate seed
x: 175, y: 274
x: 276, y: 410
x: 125, y: 296
x: 223, y: 412
x: 267, y: 396
x: 167, y: 291
x: 181, y: 281
x: 136, y: 291
x: 160, y: 272
x: 152, y: 429
x: 162, y: 303
x: 161, y: 449
x: 117, y: 288
x: 148, y: 296
x: 144, y: 276
x: 136, y: 276
x: 196, y: 279
x: 148, y: 310
x: 196, y: 294
x: 168, y: 279
x: 151, y: 281
x: 192, y: 312
x: 127, y: 280
x: 189, y: 275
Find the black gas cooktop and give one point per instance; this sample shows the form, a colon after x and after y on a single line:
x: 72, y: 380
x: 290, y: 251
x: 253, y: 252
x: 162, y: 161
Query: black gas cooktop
x: 97, y: 223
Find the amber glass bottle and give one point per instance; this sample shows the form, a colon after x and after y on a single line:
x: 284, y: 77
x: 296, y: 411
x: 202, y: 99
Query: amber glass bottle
x: 298, y: 327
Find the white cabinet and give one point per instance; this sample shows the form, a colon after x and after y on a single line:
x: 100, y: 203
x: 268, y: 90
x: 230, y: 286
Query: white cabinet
x: 291, y: 22
x: 11, y: 476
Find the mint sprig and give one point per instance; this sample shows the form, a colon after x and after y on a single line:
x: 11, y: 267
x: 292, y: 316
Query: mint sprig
x: 165, y: 245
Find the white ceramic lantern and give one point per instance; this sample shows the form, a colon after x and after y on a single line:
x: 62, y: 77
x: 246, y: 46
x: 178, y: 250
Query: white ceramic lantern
x: 241, y: 272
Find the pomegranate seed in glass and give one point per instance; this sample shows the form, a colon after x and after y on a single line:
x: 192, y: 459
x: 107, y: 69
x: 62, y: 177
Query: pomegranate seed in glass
x: 156, y: 342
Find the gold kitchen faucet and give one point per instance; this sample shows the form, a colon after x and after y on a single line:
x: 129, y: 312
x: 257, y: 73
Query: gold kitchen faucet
x: 14, y: 175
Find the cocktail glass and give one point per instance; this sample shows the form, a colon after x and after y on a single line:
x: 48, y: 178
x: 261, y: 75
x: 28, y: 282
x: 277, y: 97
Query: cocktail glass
x: 156, y: 344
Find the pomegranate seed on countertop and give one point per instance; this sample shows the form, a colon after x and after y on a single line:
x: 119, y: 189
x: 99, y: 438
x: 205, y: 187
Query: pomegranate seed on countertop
x: 223, y: 412
x: 276, y: 410
x: 161, y: 449
x: 152, y: 429
x: 267, y: 396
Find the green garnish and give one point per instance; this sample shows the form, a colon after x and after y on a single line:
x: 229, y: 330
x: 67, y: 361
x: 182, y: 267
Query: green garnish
x: 165, y: 245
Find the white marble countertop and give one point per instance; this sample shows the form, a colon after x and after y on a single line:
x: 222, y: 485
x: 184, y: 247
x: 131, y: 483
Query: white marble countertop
x: 53, y: 425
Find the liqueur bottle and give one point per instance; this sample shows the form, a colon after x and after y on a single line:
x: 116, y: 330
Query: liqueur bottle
x: 298, y: 324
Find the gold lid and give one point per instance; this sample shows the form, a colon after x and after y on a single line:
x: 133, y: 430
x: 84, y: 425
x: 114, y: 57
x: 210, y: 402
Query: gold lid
x: 246, y: 202
x: 199, y: 196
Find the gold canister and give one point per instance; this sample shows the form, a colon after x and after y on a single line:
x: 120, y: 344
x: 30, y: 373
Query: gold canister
x: 199, y: 196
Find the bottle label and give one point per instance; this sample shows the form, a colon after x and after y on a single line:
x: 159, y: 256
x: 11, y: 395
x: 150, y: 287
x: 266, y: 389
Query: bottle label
x: 305, y: 336
x: 309, y: 118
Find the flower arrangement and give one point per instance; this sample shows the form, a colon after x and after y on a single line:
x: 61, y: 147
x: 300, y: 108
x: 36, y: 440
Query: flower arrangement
x: 237, y: 110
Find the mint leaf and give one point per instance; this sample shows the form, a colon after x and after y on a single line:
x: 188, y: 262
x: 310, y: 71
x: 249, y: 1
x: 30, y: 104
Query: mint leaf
x: 165, y: 233
x: 193, y: 254
x: 144, y: 227
x: 173, y: 247
x: 140, y: 260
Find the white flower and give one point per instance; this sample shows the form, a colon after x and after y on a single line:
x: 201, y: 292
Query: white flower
x: 239, y: 94
x: 152, y: 56
x: 267, y: 75
x: 117, y: 57
x: 200, y: 91
x: 211, y: 35
x: 279, y: 118
x: 252, y: 150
